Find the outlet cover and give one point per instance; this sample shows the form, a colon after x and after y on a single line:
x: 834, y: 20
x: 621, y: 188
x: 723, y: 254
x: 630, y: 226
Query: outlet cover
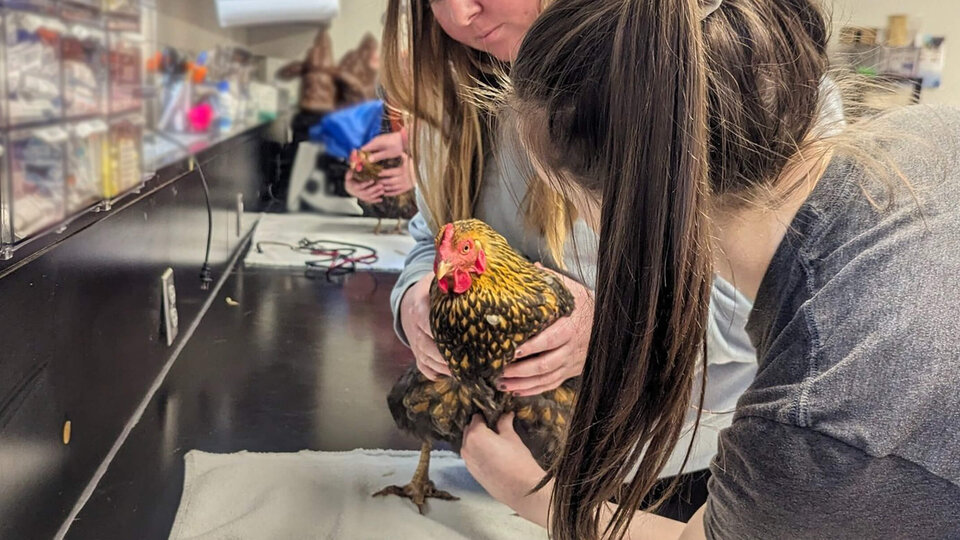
x: 171, y: 318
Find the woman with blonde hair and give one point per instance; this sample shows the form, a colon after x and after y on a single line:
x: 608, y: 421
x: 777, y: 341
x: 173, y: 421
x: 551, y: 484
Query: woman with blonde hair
x: 692, y: 126
x: 438, y: 57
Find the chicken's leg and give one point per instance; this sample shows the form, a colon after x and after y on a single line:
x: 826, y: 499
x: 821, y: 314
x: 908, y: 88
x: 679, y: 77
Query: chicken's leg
x: 420, y: 487
x: 376, y: 230
x: 397, y: 229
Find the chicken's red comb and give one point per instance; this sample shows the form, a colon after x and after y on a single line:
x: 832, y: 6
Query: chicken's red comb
x: 447, y: 238
x: 355, y: 162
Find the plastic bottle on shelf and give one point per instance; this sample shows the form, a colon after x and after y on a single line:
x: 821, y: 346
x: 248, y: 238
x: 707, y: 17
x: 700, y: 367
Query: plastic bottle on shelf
x: 226, y: 106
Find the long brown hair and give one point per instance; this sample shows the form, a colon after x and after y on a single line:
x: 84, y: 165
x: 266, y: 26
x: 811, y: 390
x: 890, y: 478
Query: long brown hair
x: 661, y: 113
x: 433, y: 80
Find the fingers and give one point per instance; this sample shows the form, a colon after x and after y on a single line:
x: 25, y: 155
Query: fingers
x: 553, y: 337
x: 426, y: 371
x: 396, y: 186
x: 396, y: 172
x: 553, y: 384
x: 386, y: 146
x: 434, y: 365
x: 370, y: 192
x: 431, y: 366
x: 387, y: 153
x: 365, y: 191
x: 476, y: 427
x: 398, y: 179
x: 429, y: 358
x: 530, y: 386
x: 505, y: 426
x: 393, y: 191
x: 415, y: 307
x: 354, y: 186
x: 384, y: 140
x: 421, y: 310
x: 533, y: 366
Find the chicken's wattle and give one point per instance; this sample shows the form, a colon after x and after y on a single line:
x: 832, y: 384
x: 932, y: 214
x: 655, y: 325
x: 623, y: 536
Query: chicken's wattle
x: 461, y: 282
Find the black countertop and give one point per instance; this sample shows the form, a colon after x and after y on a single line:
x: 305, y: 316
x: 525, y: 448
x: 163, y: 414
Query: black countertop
x: 299, y: 364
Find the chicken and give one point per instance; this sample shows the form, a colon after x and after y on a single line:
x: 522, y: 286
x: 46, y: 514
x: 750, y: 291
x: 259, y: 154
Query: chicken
x: 486, y: 300
x: 399, y: 207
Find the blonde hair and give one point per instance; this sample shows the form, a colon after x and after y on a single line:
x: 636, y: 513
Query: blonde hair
x: 432, y: 80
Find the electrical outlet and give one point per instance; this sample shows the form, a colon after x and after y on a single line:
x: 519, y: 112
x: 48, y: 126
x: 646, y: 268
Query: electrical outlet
x: 239, y: 214
x: 171, y: 318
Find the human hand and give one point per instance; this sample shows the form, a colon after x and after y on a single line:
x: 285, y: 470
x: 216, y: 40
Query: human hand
x: 504, y: 466
x: 369, y: 192
x: 384, y: 146
x: 397, y: 180
x: 415, y: 320
x: 556, y: 354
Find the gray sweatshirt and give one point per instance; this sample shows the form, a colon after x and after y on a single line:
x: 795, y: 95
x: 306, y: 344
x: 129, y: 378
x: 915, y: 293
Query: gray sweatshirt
x: 852, y: 426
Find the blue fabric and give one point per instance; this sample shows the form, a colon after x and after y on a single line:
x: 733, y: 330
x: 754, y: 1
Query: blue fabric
x: 345, y: 130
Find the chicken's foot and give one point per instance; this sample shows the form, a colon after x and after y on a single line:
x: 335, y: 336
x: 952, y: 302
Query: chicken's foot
x: 420, y: 487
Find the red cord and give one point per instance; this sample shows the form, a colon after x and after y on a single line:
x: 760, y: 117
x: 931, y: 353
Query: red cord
x: 339, y: 261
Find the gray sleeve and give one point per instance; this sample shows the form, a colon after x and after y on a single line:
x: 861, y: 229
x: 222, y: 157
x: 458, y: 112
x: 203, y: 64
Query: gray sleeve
x: 418, y: 264
x: 772, y: 480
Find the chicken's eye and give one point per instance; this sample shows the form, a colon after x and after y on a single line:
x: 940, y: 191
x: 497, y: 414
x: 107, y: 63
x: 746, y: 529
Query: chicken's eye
x: 465, y: 249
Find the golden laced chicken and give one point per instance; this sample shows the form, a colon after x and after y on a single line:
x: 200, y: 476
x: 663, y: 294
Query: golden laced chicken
x: 399, y: 207
x: 486, y: 300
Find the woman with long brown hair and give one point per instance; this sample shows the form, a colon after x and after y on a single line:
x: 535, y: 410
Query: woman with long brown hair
x: 438, y: 57
x: 692, y: 125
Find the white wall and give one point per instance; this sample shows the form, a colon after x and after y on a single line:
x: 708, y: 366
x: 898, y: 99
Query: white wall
x: 193, y: 25
x: 357, y: 17
x: 289, y: 41
x: 937, y: 17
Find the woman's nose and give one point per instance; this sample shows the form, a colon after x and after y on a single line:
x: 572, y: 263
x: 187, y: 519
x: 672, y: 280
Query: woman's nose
x: 464, y: 11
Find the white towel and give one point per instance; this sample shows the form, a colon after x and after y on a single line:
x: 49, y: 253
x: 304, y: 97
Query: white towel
x: 392, y: 249
x: 327, y: 495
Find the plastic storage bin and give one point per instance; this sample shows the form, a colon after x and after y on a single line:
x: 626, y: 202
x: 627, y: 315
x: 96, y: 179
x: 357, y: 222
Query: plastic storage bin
x: 91, y: 3
x: 87, y: 11
x: 6, y: 224
x: 86, y: 155
x: 39, y: 6
x: 31, y: 67
x: 124, y: 167
x: 84, y: 71
x: 122, y: 7
x: 34, y: 186
x: 126, y: 71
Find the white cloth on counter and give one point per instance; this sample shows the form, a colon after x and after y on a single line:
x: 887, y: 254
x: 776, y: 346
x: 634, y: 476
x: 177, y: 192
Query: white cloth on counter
x: 328, y: 495
x: 290, y: 229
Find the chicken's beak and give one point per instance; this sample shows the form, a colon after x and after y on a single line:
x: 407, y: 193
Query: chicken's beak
x: 443, y: 269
